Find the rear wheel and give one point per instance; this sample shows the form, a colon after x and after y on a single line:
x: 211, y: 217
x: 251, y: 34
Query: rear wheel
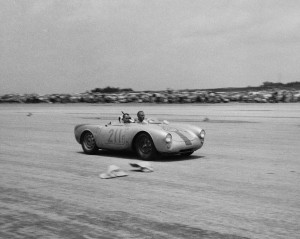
x: 88, y: 143
x: 145, y: 148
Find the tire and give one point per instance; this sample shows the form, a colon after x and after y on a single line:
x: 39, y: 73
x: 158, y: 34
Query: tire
x: 145, y: 148
x: 88, y: 143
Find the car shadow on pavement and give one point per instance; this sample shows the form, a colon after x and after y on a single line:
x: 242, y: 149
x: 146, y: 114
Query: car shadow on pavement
x: 114, y: 154
x: 132, y: 155
x: 170, y: 158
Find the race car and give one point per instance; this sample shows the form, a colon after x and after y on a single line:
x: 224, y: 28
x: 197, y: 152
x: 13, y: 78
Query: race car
x: 149, y: 139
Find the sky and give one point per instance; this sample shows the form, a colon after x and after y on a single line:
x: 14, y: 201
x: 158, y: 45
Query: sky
x: 71, y: 46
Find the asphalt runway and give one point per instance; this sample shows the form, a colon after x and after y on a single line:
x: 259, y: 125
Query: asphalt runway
x: 243, y: 183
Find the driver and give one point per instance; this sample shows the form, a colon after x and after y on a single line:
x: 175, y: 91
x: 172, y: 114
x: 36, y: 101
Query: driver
x: 141, y: 117
x: 126, y: 118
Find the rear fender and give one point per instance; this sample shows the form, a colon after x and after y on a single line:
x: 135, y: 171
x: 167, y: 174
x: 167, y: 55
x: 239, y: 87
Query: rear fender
x: 79, y: 130
x: 82, y: 135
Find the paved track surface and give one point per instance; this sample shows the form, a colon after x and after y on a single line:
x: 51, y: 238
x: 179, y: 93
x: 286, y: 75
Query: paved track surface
x: 244, y: 182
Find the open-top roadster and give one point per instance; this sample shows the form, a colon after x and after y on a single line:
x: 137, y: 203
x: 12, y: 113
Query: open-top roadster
x: 148, y: 140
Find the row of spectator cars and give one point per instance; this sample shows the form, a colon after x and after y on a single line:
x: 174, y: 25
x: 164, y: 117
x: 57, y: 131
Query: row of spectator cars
x: 267, y: 96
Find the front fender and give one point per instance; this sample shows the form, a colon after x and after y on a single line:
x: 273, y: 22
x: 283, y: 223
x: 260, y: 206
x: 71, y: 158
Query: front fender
x: 158, y: 137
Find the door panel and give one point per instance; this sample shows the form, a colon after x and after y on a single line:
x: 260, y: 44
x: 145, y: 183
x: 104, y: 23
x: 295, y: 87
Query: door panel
x: 113, y: 137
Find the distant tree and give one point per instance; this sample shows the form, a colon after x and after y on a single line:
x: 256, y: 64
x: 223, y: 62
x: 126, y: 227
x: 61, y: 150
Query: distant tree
x: 127, y: 89
x: 293, y: 84
x: 272, y: 84
x: 96, y: 90
x: 109, y: 89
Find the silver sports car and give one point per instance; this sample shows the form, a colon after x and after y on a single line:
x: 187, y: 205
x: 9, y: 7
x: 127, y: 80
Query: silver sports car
x: 149, y: 139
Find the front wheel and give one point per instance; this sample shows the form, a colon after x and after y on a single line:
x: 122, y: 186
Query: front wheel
x: 145, y: 148
x: 88, y: 143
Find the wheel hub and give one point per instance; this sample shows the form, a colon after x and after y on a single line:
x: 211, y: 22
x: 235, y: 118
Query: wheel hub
x: 145, y: 146
x: 89, y: 141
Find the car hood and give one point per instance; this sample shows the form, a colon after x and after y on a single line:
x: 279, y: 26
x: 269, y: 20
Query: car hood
x: 179, y: 134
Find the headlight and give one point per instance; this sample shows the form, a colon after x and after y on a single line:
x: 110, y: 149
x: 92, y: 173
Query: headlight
x: 202, y: 134
x: 168, y: 138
